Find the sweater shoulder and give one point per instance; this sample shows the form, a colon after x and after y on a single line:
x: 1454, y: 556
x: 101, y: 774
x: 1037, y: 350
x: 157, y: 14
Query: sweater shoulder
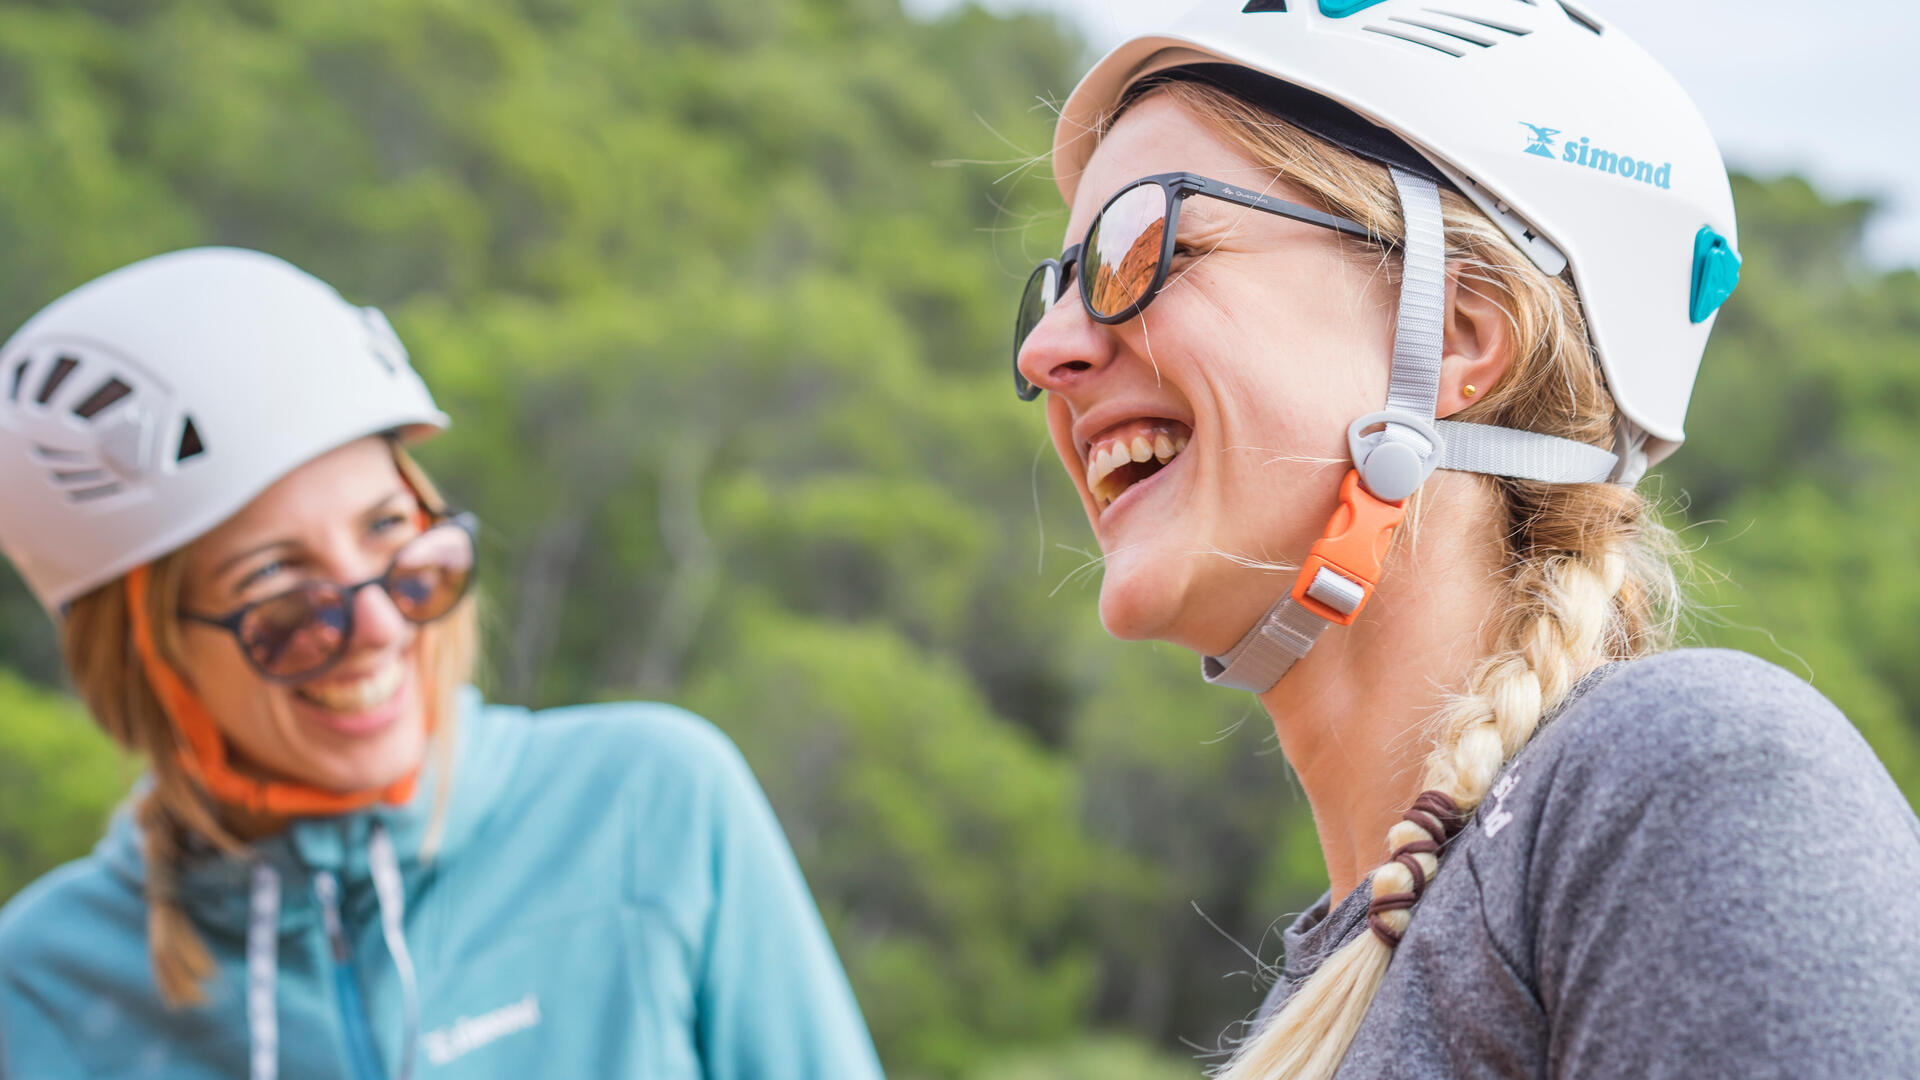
x: 644, y: 792
x: 77, y: 932
x: 81, y: 901
x: 1699, y: 716
x: 613, y: 742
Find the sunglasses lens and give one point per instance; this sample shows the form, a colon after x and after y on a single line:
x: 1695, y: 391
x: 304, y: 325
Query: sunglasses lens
x: 299, y: 632
x: 432, y: 573
x: 1042, y: 287
x: 1123, y: 250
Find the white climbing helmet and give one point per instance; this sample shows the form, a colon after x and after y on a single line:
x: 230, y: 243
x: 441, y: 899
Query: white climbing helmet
x: 145, y: 407
x: 1584, y: 150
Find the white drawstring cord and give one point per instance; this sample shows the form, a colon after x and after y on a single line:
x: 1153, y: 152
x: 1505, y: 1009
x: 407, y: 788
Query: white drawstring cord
x: 388, y: 890
x: 263, y: 965
x: 263, y: 953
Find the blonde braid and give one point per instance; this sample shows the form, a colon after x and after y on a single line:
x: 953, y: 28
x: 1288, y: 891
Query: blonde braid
x: 106, y: 670
x: 1570, y: 598
x: 1566, y: 631
x: 181, y: 962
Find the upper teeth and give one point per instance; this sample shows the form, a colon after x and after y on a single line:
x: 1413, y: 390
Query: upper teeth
x: 357, y: 696
x: 1136, y: 442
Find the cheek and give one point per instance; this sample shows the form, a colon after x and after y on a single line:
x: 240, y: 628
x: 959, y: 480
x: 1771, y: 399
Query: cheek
x: 1302, y: 365
x: 239, y: 700
x: 1351, y: 348
x: 1060, y: 431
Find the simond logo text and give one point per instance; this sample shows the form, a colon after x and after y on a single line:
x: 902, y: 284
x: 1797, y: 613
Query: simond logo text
x: 1584, y: 153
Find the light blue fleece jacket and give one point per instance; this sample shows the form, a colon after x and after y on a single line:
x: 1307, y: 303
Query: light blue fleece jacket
x: 611, y: 897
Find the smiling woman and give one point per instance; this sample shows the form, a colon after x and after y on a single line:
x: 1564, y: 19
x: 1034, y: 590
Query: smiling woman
x: 1407, y: 407
x: 220, y: 721
x: 341, y: 855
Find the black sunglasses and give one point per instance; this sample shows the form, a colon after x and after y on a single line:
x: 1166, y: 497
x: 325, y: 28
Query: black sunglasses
x: 297, y: 634
x: 1132, y: 241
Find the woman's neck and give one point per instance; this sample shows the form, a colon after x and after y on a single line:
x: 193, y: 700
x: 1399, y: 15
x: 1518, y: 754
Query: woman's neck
x: 1352, y: 717
x: 248, y: 827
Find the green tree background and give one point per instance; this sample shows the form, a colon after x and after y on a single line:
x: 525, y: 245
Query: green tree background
x: 718, y: 293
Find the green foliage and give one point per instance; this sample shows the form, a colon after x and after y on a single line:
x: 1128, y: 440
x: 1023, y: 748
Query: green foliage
x: 1801, y: 464
x: 726, y: 347
x: 945, y: 844
x: 1090, y: 1059
x: 1190, y: 779
x: 59, y: 778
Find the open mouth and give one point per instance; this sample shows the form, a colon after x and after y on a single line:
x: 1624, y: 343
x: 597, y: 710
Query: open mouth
x: 355, y: 695
x: 1125, y: 454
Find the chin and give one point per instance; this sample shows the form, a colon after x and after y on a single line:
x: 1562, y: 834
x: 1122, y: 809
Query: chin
x: 1134, y: 606
x: 374, y: 766
x: 1191, y: 603
x: 358, y: 746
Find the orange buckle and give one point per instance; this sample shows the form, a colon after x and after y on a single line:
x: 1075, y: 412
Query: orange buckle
x: 1354, y: 547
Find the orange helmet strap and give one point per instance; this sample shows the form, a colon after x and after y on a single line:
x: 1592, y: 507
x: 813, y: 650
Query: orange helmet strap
x: 1334, y: 583
x: 204, y: 753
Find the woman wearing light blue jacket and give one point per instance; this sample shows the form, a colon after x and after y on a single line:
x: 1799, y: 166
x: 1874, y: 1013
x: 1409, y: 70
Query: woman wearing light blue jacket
x: 342, y: 863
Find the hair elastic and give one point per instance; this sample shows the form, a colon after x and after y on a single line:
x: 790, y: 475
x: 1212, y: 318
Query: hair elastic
x: 1440, y: 818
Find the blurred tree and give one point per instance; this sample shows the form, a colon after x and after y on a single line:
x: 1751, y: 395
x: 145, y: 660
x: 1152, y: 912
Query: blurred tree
x: 1093, y: 1059
x: 945, y: 846
x: 59, y: 776
x: 1801, y: 464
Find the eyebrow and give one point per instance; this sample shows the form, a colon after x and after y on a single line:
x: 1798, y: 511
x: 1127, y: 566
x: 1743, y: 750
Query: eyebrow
x: 227, y: 566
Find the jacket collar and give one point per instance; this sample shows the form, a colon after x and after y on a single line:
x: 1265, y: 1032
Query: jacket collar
x: 214, y: 887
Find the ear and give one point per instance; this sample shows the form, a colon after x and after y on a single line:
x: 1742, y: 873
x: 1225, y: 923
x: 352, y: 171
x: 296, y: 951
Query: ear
x: 1478, y: 345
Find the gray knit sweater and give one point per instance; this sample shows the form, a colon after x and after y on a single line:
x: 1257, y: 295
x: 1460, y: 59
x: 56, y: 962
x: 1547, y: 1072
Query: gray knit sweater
x: 1698, y: 869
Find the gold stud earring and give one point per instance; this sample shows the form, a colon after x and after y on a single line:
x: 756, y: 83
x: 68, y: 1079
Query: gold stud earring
x: 1471, y: 390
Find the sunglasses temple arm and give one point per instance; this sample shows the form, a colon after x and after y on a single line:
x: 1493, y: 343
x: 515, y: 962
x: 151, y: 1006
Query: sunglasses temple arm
x: 1282, y: 207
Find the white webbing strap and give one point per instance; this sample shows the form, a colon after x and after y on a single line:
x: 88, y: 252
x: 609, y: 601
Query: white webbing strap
x: 1419, y: 338
x: 1524, y: 455
x: 263, y: 967
x: 1282, y: 636
x: 1419, y: 332
x: 1288, y: 630
x: 389, y: 891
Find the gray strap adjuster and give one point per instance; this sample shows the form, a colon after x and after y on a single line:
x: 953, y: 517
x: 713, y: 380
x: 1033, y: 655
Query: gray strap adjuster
x: 1397, y: 458
x: 1267, y: 651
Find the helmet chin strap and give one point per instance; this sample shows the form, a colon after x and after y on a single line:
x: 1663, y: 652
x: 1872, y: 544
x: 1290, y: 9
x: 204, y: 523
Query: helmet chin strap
x: 205, y: 752
x: 1394, y: 451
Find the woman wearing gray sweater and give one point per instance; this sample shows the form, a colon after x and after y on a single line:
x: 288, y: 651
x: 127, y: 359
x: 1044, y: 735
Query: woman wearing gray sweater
x: 1369, y: 319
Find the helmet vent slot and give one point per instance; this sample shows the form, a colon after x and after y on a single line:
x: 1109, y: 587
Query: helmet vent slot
x: 62, y: 368
x: 1516, y: 31
x: 54, y: 453
x: 190, y: 444
x: 1254, y: 7
x: 79, y: 476
x: 1581, y: 17
x: 19, y: 376
x: 109, y: 392
x: 1404, y: 36
x: 92, y: 493
x: 1461, y: 35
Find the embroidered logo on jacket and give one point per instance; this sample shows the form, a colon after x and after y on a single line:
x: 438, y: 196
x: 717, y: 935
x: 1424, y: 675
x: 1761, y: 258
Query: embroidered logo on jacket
x: 470, y: 1033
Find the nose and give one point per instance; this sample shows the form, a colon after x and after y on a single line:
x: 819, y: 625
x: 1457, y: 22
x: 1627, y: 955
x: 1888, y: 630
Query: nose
x: 1066, y: 347
x: 377, y: 623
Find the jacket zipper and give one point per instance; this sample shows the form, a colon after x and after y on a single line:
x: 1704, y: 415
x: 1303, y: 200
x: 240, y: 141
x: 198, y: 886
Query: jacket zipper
x: 363, y: 1055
